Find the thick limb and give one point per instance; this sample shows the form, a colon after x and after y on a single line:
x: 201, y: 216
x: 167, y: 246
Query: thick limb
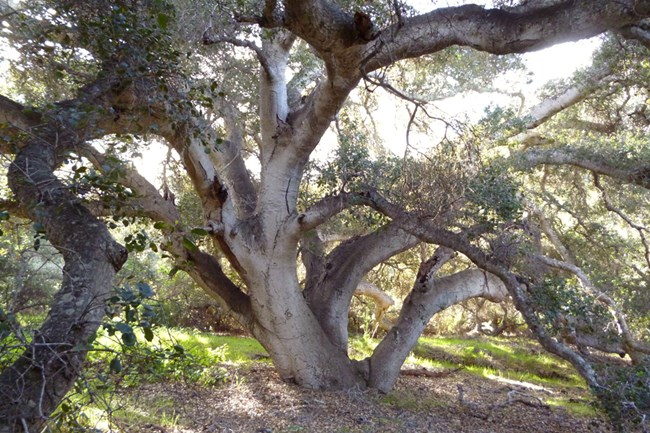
x: 37, y: 382
x: 427, y: 298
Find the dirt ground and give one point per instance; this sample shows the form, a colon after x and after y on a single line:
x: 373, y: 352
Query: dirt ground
x: 257, y: 401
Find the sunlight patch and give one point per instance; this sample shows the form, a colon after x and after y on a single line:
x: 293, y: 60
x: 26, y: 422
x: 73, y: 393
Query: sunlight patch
x: 527, y: 385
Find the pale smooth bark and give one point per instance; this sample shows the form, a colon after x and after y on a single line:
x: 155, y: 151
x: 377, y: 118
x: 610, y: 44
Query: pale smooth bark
x: 427, y: 232
x: 333, y: 279
x: 569, y: 97
x: 634, y: 172
x: 259, y: 226
x: 427, y: 298
x: 383, y: 301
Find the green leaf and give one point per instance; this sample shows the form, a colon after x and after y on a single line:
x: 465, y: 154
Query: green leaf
x: 148, y: 334
x: 91, y: 339
x: 163, y: 19
x: 115, y: 365
x: 145, y: 290
x: 159, y: 225
x: 4, y: 215
x: 129, y: 339
x: 174, y: 271
x: 110, y: 329
x: 130, y: 314
x: 189, y: 245
x: 124, y: 328
x: 199, y: 232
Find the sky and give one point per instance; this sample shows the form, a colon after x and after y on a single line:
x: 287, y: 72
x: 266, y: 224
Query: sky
x: 556, y: 62
x: 559, y: 61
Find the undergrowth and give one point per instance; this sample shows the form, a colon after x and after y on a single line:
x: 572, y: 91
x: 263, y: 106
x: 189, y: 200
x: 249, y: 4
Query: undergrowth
x: 208, y: 360
x: 510, y: 361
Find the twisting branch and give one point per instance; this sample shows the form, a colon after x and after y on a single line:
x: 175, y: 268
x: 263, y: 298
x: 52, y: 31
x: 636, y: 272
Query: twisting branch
x: 546, y: 109
x: 209, y: 38
x: 148, y: 201
x: 518, y: 29
x: 15, y: 120
x: 551, y: 233
x: 633, y: 347
x: 610, y: 207
x: 430, y: 267
x: 428, y: 232
x: 639, y: 33
x: 428, y: 297
x: 636, y: 172
x: 329, y: 298
x: 231, y: 163
x: 323, y: 210
x: 207, y: 271
x: 383, y: 301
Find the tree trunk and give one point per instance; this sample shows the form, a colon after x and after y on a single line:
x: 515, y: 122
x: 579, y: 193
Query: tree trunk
x: 33, y: 387
x: 299, y: 348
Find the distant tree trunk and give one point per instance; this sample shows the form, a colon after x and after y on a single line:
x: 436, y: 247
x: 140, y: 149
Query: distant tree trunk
x: 383, y: 302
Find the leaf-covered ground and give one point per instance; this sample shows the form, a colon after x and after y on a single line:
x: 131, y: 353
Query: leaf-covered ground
x: 256, y: 400
x: 480, y: 386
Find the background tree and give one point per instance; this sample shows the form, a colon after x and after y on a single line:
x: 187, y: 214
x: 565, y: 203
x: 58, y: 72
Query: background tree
x: 263, y: 82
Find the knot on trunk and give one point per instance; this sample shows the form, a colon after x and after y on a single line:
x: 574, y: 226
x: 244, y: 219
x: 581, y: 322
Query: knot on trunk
x: 117, y: 255
x: 364, y: 28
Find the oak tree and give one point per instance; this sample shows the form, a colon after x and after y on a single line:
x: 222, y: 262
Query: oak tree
x: 226, y: 83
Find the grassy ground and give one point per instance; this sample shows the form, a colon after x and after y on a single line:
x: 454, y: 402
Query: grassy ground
x: 517, y: 361
x: 210, y: 361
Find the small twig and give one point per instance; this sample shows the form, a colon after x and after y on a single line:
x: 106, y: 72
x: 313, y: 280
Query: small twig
x: 461, y: 393
x: 610, y: 207
x: 514, y: 392
x: 423, y: 372
x: 210, y: 39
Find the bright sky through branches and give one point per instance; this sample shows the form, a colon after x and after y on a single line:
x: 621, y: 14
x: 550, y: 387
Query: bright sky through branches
x: 559, y: 61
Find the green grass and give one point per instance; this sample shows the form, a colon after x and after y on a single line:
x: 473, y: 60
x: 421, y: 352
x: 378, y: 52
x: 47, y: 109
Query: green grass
x: 500, y: 359
x: 584, y: 409
x: 206, y: 359
x: 514, y: 359
x: 200, y: 345
x: 158, y: 410
x: 238, y: 350
x: 202, y: 360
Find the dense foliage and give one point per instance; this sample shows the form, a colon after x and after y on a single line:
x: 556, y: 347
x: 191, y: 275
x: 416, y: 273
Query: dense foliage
x: 282, y: 195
